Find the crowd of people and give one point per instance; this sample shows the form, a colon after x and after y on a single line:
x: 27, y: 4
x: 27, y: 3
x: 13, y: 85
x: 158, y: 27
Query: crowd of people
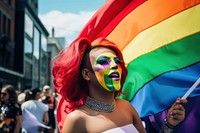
x: 28, y: 111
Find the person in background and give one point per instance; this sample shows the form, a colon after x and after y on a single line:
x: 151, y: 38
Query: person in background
x: 89, y: 77
x: 10, y: 111
x: 36, y: 108
x: 49, y: 99
x: 21, y: 98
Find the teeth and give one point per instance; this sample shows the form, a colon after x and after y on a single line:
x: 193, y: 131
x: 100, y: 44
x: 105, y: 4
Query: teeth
x: 113, y: 75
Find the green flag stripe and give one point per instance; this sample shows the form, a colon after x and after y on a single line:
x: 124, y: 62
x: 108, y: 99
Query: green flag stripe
x: 173, y: 56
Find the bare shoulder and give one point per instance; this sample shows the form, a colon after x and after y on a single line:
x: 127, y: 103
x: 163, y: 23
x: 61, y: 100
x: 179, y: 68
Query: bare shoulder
x: 74, y: 122
x: 123, y: 102
x: 126, y: 104
x: 75, y: 115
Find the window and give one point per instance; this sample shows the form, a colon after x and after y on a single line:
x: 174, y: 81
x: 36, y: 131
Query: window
x: 44, y: 60
x: 36, y: 43
x: 28, y: 26
x: 28, y: 50
x: 9, y: 28
x: 36, y: 55
x: 44, y: 43
x: 4, y: 24
x: 28, y: 73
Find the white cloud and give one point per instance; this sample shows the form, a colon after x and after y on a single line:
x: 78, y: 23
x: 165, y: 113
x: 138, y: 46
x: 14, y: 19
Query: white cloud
x: 66, y: 25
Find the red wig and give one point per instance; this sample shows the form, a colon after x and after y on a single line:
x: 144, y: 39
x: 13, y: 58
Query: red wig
x: 68, y: 80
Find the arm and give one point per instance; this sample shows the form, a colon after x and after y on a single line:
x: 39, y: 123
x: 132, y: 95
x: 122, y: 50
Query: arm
x: 137, y: 121
x: 18, y: 123
x: 176, y: 115
x: 45, y: 121
x: 46, y: 118
x: 74, y: 123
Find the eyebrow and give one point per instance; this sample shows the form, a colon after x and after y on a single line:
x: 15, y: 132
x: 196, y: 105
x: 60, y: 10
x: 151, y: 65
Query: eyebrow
x: 103, y: 56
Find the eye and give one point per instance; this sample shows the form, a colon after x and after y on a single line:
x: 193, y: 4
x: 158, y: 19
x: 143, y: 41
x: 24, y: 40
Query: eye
x: 117, y: 60
x: 102, y: 60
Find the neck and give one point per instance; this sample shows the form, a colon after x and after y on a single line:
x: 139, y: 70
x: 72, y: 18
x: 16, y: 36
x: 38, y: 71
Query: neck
x: 106, y: 98
x: 101, y: 94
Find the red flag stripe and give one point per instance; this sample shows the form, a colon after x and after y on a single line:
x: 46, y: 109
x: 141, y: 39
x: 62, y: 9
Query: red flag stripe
x: 107, y: 17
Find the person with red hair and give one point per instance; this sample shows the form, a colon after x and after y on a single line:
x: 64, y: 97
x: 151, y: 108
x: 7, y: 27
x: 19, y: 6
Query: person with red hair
x: 88, y: 77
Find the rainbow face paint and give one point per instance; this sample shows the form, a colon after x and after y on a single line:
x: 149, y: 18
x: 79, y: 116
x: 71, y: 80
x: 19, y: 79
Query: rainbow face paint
x: 108, y: 71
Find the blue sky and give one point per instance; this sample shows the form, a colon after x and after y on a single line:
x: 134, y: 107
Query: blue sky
x: 73, y: 6
x: 67, y: 17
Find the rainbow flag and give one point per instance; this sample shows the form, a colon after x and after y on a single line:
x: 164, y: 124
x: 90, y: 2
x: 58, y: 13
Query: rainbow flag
x: 160, y: 42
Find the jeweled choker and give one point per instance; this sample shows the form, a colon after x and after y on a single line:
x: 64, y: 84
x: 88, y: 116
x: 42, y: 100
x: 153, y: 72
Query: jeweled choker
x: 99, y: 106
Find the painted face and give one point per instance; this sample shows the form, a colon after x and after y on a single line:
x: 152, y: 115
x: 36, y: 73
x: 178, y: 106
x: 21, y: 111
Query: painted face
x: 107, y: 69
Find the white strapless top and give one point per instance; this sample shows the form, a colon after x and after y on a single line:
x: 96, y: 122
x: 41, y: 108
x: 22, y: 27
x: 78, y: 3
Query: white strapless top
x: 125, y: 129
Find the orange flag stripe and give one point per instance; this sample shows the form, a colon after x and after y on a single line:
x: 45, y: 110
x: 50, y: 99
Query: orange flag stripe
x: 146, y: 16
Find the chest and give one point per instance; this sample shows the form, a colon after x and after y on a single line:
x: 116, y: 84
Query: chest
x: 108, y: 121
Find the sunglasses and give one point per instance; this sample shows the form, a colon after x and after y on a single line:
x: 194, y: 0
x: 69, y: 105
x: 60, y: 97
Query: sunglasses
x: 3, y: 93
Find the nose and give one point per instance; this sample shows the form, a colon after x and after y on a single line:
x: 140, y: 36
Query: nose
x: 113, y: 65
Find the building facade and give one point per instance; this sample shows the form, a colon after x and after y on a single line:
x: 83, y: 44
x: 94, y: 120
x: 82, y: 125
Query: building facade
x: 27, y: 67
x: 7, y: 42
x: 55, y: 45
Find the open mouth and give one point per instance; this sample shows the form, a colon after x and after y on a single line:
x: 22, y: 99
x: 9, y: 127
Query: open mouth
x: 114, y: 76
